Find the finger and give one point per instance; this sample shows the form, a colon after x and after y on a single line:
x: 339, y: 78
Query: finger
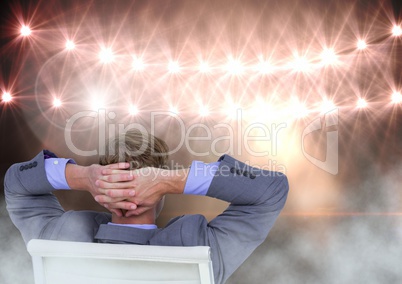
x: 117, y: 177
x: 104, y: 199
x: 118, y: 212
x: 119, y: 192
x: 103, y: 185
x: 107, y: 171
x: 136, y: 212
x: 121, y: 166
x: 125, y: 205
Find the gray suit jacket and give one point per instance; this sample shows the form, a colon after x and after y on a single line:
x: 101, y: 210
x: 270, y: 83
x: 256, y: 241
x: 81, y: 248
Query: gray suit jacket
x: 255, y: 196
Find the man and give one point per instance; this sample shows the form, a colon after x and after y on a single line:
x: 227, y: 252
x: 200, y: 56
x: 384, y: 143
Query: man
x: 256, y: 198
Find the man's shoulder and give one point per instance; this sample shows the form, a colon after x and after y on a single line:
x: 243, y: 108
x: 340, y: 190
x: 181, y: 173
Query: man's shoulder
x: 79, y: 225
x: 185, y: 230
x: 193, y: 219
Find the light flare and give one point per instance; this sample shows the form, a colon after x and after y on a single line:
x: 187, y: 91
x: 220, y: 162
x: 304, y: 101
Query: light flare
x: 361, y: 103
x: 133, y: 110
x: 57, y: 102
x: 204, y: 67
x: 234, y: 67
x: 174, y: 110
x: 106, y: 55
x: 231, y: 110
x: 328, y: 56
x: 298, y: 109
x: 97, y: 104
x: 300, y: 64
x: 25, y: 30
x: 262, y: 110
x: 396, y: 30
x: 174, y: 67
x: 265, y: 67
x: 70, y: 45
x: 204, y: 111
x: 361, y: 44
x: 327, y: 106
x: 138, y: 64
x: 7, y: 97
x: 396, y: 98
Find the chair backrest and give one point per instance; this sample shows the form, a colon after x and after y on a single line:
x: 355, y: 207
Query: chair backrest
x: 61, y: 262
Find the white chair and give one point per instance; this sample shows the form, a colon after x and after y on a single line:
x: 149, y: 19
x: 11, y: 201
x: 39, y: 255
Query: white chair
x: 61, y: 262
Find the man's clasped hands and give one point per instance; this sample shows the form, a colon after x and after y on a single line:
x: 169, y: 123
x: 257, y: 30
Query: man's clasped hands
x: 126, y: 192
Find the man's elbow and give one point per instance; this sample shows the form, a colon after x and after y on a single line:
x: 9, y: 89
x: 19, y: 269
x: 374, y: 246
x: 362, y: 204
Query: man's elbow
x: 7, y: 178
x: 284, y: 190
x: 277, y: 193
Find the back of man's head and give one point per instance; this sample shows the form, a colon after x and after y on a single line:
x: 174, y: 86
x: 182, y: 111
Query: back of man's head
x: 140, y: 149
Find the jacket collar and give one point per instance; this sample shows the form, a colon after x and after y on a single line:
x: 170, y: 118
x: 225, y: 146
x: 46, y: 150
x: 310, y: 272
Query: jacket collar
x: 124, y: 235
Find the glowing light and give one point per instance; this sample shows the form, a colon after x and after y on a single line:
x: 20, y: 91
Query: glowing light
x: 231, y: 111
x: 397, y: 97
x: 234, y: 67
x: 133, y: 110
x: 70, y: 45
x: 204, y: 111
x: 57, y: 102
x: 25, y: 31
x: 262, y: 110
x: 300, y: 64
x: 327, y: 106
x: 361, y: 103
x: 397, y: 30
x: 97, y: 104
x: 298, y: 109
x: 204, y: 67
x: 174, y: 67
x: 361, y: 44
x: 328, y: 56
x: 106, y: 55
x: 265, y: 67
x: 7, y: 97
x: 138, y: 64
x: 174, y: 110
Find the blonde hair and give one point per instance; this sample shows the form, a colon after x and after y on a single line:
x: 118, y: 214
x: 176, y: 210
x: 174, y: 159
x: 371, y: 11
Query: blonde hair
x: 140, y: 149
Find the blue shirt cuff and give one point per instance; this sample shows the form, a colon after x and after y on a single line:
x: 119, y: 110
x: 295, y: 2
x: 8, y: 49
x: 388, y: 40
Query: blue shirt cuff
x: 200, y: 177
x: 56, y: 172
